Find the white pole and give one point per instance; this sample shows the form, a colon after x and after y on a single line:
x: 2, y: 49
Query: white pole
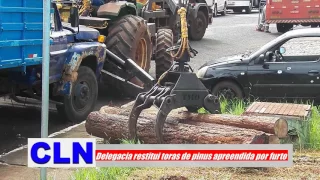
x: 45, y: 76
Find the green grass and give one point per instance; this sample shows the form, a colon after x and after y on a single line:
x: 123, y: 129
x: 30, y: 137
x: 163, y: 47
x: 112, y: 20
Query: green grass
x: 315, y: 128
x: 107, y: 173
x: 235, y: 107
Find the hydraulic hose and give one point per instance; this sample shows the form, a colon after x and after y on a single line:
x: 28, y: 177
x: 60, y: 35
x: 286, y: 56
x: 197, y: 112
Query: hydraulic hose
x: 184, y: 35
x: 86, y: 8
x: 184, y: 40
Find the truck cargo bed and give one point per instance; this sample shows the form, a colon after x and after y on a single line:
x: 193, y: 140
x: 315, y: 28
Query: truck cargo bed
x: 285, y: 11
x: 21, y: 28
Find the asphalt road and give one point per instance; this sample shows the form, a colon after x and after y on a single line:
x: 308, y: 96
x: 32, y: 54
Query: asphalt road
x: 228, y: 35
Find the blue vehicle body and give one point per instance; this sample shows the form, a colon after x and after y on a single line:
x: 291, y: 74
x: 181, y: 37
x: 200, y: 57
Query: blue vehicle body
x: 73, y: 88
x: 97, y: 2
x: 21, y: 46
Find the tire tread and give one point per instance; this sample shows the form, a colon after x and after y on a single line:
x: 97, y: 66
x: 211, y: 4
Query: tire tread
x: 163, y: 59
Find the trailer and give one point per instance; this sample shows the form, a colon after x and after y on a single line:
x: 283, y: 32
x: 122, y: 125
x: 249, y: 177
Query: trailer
x: 285, y: 14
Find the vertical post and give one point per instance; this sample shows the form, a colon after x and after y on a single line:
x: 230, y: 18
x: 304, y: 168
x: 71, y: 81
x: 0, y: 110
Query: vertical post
x: 45, y: 76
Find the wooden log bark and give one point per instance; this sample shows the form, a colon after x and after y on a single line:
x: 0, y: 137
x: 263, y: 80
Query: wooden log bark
x: 271, y: 125
x: 113, y: 127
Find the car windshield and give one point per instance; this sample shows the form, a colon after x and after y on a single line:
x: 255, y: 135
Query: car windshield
x: 267, y: 46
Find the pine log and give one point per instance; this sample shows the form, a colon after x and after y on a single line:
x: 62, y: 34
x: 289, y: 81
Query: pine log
x: 271, y: 125
x: 114, y: 127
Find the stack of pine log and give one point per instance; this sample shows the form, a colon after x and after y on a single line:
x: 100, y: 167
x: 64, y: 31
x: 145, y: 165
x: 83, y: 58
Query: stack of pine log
x: 181, y: 127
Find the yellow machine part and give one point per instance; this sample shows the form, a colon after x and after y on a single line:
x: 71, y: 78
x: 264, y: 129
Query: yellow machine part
x: 141, y: 3
x: 64, y: 11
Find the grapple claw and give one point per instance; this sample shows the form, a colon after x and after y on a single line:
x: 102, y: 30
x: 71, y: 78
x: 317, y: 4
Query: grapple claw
x: 133, y: 118
x: 166, y: 106
x: 140, y: 104
x: 143, y: 101
x: 161, y: 118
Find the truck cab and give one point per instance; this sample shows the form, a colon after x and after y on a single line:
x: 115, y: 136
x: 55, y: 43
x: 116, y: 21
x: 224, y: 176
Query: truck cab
x: 77, y: 54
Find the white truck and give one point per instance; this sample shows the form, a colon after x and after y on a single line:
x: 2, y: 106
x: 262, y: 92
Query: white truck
x: 218, y: 7
x: 239, y: 5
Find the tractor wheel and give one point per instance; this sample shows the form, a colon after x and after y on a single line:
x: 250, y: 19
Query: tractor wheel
x: 198, y: 27
x: 163, y: 58
x: 83, y: 97
x: 129, y: 38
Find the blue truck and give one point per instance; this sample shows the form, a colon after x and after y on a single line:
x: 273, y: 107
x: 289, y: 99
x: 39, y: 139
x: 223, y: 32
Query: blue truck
x: 77, y: 55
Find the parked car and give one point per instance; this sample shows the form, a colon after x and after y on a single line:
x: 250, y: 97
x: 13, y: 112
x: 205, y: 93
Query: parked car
x: 218, y: 7
x: 285, y: 68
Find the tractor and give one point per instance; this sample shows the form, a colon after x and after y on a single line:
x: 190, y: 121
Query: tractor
x: 141, y: 31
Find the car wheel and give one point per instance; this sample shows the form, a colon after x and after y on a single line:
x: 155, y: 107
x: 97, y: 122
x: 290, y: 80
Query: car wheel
x: 227, y: 90
x: 248, y: 9
x: 224, y: 12
x: 215, y: 13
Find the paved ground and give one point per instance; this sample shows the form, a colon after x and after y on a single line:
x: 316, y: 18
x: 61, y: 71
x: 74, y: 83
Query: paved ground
x: 231, y: 34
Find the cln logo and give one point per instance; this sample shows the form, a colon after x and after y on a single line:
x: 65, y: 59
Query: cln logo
x: 61, y: 152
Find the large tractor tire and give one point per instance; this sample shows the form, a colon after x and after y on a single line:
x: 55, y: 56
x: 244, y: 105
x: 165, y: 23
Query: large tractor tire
x: 163, y: 59
x: 129, y: 38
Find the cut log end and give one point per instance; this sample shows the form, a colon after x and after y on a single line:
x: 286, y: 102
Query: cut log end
x: 281, y: 128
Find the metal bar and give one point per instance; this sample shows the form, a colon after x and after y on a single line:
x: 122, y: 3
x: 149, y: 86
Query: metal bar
x: 45, y: 76
x: 121, y: 79
x: 136, y: 70
x: 115, y: 58
x: 132, y: 68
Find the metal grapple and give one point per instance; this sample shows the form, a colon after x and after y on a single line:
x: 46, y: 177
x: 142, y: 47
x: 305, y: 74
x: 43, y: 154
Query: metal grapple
x: 178, y: 87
